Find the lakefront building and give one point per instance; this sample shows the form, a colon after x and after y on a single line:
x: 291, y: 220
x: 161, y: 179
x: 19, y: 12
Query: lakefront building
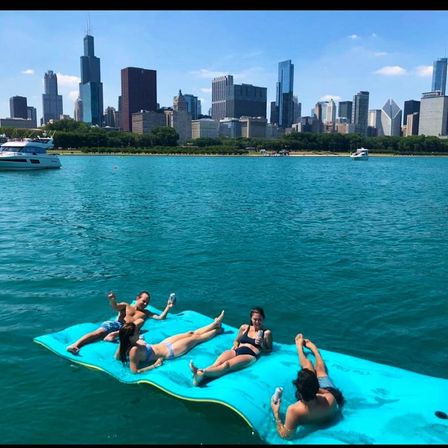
x: 91, y: 87
x: 360, y: 112
x: 18, y: 107
x: 433, y: 114
x: 236, y: 100
x: 391, y: 118
x: 51, y: 101
x: 439, y: 75
x: 284, y: 104
x: 138, y: 93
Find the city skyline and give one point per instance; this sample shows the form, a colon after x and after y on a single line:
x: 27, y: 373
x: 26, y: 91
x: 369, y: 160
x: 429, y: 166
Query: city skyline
x: 335, y: 53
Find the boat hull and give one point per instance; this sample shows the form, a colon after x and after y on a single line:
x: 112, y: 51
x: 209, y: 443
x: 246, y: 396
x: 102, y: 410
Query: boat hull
x: 27, y: 163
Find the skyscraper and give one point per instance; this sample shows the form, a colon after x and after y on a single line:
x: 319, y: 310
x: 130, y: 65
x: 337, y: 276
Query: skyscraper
x: 345, y: 110
x: 32, y: 115
x: 193, y: 105
x: 138, y: 92
x: 246, y: 100
x: 374, y: 121
x: 360, y: 112
x: 297, y: 112
x: 236, y: 100
x: 78, y: 109
x: 219, y: 96
x: 433, y: 114
x: 51, y: 101
x: 91, y: 87
x: 439, y: 75
x: 410, y: 107
x: 18, y: 107
x: 284, y: 94
x: 391, y: 118
x: 180, y: 103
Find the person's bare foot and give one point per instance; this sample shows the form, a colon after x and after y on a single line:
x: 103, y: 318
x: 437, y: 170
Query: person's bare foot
x: 218, y: 320
x: 193, y: 368
x: 308, y: 344
x: 198, y: 374
x: 299, y: 339
x: 73, y: 349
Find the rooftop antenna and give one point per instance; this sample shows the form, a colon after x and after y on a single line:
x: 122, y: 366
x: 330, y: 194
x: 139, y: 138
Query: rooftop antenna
x: 88, y: 25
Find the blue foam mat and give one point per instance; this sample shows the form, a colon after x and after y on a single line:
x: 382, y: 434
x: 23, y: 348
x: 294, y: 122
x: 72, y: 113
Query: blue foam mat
x: 384, y: 404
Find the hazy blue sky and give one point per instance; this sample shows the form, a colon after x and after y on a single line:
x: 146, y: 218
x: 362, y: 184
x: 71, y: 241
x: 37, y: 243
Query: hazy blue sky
x: 335, y: 53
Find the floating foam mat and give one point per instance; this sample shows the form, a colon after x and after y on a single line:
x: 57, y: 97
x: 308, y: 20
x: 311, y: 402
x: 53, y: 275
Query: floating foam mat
x: 384, y: 404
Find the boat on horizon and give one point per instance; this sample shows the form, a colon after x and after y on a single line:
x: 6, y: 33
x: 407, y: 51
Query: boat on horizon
x: 28, y: 154
x: 360, y: 154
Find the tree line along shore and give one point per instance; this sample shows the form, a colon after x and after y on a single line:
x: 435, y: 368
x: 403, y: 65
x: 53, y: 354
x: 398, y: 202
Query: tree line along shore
x: 79, y: 137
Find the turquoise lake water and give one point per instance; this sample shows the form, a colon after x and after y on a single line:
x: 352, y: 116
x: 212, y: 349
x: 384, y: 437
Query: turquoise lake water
x: 352, y: 254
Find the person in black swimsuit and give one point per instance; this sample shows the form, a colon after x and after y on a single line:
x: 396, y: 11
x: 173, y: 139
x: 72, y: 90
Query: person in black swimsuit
x: 246, y: 349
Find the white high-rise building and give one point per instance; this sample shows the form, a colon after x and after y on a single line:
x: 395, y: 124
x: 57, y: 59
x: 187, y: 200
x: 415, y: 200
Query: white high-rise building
x: 375, y: 121
x: 391, y: 118
x: 433, y: 114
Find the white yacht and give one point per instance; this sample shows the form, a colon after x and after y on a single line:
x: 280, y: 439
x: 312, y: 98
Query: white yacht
x: 28, y: 154
x: 360, y: 154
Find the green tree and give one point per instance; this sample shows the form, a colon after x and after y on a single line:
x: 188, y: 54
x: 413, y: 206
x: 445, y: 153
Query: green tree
x: 165, y: 136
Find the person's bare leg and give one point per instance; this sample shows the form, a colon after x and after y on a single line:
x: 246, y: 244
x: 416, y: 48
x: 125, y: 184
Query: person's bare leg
x: 183, y: 345
x: 86, y: 339
x: 321, y: 368
x: 223, y: 357
x: 178, y: 337
x: 305, y: 363
x: 215, y: 324
x: 233, y: 364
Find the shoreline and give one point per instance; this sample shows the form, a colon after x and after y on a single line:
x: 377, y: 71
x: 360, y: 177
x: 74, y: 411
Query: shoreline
x: 292, y: 154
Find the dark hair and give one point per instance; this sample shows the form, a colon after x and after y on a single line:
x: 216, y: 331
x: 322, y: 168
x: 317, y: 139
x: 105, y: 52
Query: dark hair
x: 144, y: 292
x: 307, y: 385
x: 125, y: 333
x: 257, y: 309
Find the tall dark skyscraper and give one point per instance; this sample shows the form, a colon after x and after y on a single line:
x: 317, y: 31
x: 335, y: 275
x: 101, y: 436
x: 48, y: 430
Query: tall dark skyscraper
x: 193, y: 105
x: 246, y: 100
x: 345, y: 110
x: 410, y: 107
x: 138, y: 92
x: 51, y: 101
x: 91, y: 87
x: 18, y: 107
x: 439, y: 75
x: 284, y: 95
x: 360, y: 112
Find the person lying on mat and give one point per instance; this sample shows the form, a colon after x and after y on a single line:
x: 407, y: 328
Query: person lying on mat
x: 138, y: 351
x: 318, y: 400
x: 252, y: 340
x: 127, y: 313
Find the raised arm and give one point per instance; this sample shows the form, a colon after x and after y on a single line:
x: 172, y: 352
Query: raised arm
x: 163, y: 314
x: 113, y: 302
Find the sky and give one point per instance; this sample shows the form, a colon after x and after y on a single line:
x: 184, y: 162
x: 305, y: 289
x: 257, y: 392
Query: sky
x: 335, y: 53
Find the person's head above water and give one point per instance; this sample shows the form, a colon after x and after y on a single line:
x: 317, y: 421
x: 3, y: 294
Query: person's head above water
x: 142, y: 300
x: 257, y: 317
x: 307, y: 385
